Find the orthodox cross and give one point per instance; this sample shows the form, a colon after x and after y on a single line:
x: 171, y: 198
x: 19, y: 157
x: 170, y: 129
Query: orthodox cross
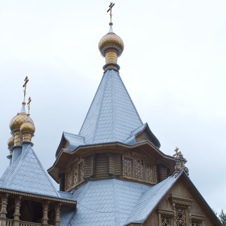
x: 110, y: 10
x: 29, y: 105
x: 26, y: 80
x: 177, y: 154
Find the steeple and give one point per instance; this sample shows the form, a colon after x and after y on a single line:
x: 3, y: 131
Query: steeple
x: 21, y: 126
x: 20, y: 118
x: 111, y: 46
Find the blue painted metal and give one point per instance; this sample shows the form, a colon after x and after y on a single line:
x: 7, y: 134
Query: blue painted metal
x: 112, y: 115
x: 27, y: 174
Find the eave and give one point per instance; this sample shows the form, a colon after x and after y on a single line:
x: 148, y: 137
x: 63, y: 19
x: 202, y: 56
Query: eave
x: 33, y: 196
x: 65, y: 156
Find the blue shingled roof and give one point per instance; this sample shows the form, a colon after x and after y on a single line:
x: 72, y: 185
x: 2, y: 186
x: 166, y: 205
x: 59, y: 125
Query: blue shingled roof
x: 115, y: 202
x: 112, y: 115
x: 104, y: 202
x: 27, y: 174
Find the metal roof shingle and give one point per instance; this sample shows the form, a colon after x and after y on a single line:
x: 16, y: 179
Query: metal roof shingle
x: 28, y: 175
x: 112, y: 115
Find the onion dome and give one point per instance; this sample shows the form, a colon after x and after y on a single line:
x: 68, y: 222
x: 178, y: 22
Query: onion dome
x: 27, y: 129
x: 111, y: 47
x: 18, y: 120
x: 11, y: 142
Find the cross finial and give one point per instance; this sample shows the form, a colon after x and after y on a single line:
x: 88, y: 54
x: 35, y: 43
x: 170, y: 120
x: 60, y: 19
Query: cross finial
x: 29, y: 105
x: 110, y: 10
x: 26, y: 80
x: 177, y: 152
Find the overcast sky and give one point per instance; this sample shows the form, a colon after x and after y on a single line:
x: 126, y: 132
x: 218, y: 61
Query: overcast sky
x: 173, y: 67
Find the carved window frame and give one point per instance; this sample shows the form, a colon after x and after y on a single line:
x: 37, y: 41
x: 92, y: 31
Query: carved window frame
x: 183, y: 204
x: 167, y: 215
x: 197, y: 220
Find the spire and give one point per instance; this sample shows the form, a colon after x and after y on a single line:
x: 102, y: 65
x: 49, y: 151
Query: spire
x: 111, y: 46
x: 20, y: 118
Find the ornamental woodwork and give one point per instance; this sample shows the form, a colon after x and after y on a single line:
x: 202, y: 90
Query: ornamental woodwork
x: 74, y: 175
x: 180, y: 217
x: 139, y: 169
x: 166, y: 221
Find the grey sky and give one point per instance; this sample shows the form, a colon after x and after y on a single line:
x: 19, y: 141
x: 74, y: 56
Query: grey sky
x: 173, y: 66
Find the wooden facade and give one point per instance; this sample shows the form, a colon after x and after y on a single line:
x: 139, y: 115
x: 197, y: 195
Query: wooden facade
x: 181, y: 206
x: 124, y: 164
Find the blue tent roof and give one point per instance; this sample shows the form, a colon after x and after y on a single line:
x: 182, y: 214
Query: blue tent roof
x: 27, y: 174
x: 112, y: 116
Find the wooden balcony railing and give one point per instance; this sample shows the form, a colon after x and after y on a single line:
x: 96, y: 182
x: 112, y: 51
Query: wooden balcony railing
x: 9, y: 222
x: 22, y: 223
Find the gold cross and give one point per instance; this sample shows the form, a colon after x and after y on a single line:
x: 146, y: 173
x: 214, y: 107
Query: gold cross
x: 29, y: 105
x: 177, y: 152
x: 110, y: 10
x: 26, y: 80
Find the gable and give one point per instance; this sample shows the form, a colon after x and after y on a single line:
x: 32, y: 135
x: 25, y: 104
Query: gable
x: 184, y: 198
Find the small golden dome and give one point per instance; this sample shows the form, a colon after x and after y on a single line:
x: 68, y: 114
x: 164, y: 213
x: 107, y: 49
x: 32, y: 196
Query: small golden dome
x: 17, y: 121
x: 111, y: 41
x: 27, y: 127
x: 11, y: 142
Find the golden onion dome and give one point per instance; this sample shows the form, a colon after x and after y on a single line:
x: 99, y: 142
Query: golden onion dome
x: 111, y: 41
x: 17, y: 121
x: 27, y: 126
x: 11, y: 142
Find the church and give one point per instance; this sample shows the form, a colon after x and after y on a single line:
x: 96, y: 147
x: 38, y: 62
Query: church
x: 112, y: 173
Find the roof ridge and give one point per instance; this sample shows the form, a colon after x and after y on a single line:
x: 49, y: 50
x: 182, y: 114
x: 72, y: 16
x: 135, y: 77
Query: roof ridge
x: 113, y: 109
x: 155, y: 189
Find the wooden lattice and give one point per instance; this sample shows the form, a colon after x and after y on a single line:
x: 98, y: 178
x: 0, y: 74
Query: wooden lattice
x: 68, y: 179
x: 81, y: 171
x: 127, y: 167
x: 166, y: 222
x: 180, y: 217
x: 139, y: 169
x: 138, y: 166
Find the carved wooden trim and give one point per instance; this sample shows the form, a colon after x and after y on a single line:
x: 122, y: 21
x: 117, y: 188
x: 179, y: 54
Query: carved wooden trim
x: 139, y: 169
x: 181, y: 201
